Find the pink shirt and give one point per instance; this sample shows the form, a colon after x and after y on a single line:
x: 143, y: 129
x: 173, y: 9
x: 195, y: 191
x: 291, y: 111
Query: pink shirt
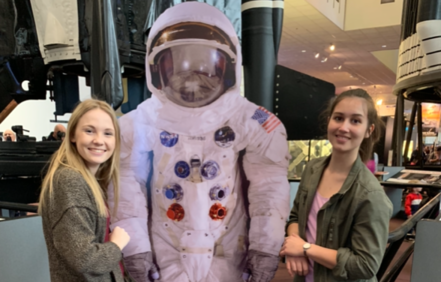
x: 371, y: 165
x: 311, y: 229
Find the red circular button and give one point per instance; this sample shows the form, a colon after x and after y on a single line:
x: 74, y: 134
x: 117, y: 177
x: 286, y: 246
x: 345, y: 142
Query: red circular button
x: 217, y: 211
x: 176, y: 212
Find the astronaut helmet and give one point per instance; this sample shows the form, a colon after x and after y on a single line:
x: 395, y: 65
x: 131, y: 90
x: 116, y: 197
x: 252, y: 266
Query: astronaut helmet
x: 192, y: 63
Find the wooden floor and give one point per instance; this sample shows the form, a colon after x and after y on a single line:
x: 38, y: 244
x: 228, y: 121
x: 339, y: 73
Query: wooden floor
x: 282, y: 274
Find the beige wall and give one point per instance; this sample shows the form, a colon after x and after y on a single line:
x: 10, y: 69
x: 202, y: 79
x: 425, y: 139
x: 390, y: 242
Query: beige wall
x: 386, y: 110
x: 388, y: 57
x: 333, y: 10
x: 361, y: 14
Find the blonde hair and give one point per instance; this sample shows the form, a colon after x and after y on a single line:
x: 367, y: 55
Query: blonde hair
x: 68, y: 156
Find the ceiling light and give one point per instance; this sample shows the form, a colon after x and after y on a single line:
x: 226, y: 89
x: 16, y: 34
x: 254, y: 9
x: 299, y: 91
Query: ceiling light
x: 324, y: 60
x: 317, y: 55
x: 364, y: 83
x: 25, y: 85
x: 303, y: 51
x: 339, y: 67
x: 384, y: 46
x: 379, y: 102
x: 332, y: 47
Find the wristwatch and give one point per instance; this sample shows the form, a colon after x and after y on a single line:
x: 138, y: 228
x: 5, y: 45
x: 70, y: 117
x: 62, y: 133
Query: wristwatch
x: 306, y: 247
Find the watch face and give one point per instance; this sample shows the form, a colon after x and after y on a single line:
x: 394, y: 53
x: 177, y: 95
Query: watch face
x: 306, y: 246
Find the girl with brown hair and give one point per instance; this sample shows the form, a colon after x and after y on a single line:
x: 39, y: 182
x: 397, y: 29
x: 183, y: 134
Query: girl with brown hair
x: 339, y: 224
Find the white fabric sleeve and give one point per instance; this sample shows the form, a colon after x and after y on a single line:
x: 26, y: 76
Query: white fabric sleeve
x: 266, y: 167
x: 132, y: 212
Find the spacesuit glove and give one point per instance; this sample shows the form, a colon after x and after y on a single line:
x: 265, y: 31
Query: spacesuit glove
x: 260, y: 266
x: 138, y: 266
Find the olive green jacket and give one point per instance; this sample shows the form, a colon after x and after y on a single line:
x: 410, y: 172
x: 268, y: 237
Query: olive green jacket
x: 355, y: 222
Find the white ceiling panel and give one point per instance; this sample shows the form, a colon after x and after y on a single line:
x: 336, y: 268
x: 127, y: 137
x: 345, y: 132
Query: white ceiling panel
x: 305, y: 29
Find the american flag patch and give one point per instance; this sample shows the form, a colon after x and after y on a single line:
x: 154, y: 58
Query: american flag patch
x: 267, y: 120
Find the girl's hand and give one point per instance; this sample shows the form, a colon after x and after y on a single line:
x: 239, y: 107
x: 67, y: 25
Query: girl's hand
x: 293, y: 246
x: 120, y: 237
x: 297, y: 265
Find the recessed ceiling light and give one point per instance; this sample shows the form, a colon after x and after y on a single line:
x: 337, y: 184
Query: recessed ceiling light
x: 379, y: 102
x: 303, y: 51
x: 384, y: 46
x: 339, y: 67
x: 317, y: 55
x: 324, y: 60
x: 332, y: 47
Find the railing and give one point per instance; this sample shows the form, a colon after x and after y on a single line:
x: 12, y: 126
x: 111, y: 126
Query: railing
x: 18, y: 207
x: 395, y: 270
x: 397, y: 237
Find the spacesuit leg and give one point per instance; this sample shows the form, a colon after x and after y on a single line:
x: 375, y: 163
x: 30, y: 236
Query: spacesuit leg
x: 223, y: 270
x: 168, y: 260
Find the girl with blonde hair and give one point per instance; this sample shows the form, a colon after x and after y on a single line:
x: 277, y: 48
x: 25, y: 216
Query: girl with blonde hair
x: 73, y: 198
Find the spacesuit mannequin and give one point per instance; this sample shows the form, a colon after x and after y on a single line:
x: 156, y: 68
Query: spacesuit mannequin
x: 183, y: 146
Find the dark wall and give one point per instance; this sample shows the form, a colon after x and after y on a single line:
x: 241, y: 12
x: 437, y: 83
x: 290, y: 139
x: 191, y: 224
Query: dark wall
x: 299, y: 100
x: 385, y: 143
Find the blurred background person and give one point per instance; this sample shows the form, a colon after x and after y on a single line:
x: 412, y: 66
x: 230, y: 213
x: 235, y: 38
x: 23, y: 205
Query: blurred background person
x: 435, y: 158
x: 412, y: 205
x: 413, y: 201
x: 414, y: 159
x: 58, y: 133
x: 9, y: 135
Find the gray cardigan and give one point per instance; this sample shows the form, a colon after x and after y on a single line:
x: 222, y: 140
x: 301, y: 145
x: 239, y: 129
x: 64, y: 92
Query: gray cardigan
x: 74, y: 233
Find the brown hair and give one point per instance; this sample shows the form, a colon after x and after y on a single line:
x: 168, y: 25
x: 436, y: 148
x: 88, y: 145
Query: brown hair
x: 367, y: 145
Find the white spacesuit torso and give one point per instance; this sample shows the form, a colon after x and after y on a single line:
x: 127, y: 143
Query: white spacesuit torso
x: 199, y: 218
x: 203, y: 219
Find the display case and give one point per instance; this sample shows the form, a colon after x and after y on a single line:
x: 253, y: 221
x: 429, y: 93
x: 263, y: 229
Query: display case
x: 302, y: 151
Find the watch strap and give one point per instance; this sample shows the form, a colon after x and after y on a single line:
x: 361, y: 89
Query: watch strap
x: 306, y: 249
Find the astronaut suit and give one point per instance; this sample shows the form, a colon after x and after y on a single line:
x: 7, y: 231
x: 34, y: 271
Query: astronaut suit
x: 183, y: 146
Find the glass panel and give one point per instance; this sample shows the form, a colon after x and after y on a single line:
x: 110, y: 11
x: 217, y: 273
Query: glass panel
x: 301, y: 153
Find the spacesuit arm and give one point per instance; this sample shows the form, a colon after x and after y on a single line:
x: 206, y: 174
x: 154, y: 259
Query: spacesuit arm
x: 266, y: 167
x: 132, y: 213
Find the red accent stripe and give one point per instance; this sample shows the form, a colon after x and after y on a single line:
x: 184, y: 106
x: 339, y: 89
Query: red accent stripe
x: 269, y: 122
x: 274, y: 127
x: 265, y: 123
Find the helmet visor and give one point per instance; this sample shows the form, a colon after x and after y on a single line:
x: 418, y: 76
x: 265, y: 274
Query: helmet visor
x: 192, y: 75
